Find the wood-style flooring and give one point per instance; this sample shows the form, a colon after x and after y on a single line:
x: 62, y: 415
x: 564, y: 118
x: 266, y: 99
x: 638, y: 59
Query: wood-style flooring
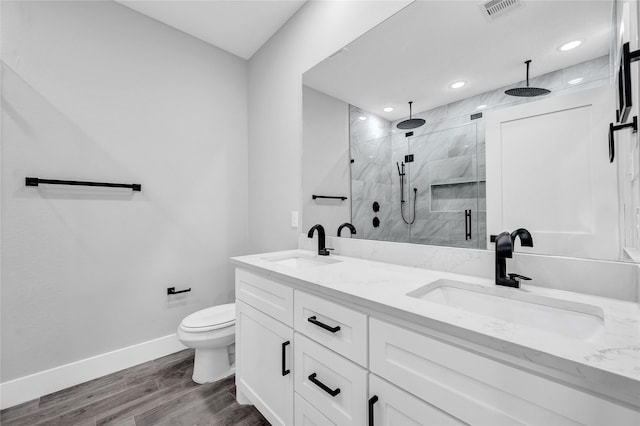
x: 159, y: 392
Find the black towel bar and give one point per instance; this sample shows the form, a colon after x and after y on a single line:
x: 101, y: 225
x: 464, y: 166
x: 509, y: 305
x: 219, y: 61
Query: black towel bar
x: 34, y: 181
x: 334, y: 197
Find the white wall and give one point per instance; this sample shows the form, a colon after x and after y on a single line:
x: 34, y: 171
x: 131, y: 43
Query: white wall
x: 325, y: 161
x: 275, y: 109
x: 96, y: 91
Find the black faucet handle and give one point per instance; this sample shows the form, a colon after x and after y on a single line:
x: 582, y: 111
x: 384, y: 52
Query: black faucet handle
x: 519, y: 277
x: 324, y: 251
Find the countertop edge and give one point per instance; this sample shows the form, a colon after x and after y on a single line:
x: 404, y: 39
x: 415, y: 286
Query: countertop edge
x: 589, y: 378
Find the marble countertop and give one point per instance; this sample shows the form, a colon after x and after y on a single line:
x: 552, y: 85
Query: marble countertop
x: 609, y: 361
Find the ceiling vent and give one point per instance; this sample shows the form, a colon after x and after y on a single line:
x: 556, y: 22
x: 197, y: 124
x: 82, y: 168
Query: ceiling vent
x: 494, y: 8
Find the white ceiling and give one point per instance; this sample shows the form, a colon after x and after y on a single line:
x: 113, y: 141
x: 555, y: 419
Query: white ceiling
x: 416, y: 54
x: 237, y: 26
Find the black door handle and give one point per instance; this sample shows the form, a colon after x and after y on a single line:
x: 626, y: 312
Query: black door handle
x: 313, y: 320
x: 285, y: 370
x: 332, y: 392
x: 372, y: 401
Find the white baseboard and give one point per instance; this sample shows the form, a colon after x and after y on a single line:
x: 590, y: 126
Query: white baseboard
x: 45, y: 382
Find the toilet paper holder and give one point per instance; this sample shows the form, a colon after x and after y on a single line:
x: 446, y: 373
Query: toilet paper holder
x: 172, y: 290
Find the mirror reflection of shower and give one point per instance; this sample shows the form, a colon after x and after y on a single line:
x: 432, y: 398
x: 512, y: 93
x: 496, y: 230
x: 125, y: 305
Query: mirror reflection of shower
x: 402, y: 200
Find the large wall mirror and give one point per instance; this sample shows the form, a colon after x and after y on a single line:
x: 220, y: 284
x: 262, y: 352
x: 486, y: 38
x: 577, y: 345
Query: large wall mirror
x: 484, y: 161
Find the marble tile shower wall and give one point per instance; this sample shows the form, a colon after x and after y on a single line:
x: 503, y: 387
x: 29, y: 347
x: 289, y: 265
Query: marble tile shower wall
x: 448, y: 168
x: 370, y: 144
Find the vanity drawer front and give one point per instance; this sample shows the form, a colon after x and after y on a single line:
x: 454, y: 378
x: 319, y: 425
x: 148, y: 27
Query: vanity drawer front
x: 308, y: 415
x: 479, y: 390
x: 266, y: 295
x: 350, y: 340
x: 393, y: 406
x: 329, y: 373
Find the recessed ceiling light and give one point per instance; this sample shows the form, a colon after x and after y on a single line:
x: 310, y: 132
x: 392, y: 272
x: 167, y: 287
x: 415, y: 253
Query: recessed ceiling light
x: 388, y: 109
x: 362, y: 117
x: 483, y: 106
x: 570, y: 45
x: 575, y: 80
x: 458, y: 84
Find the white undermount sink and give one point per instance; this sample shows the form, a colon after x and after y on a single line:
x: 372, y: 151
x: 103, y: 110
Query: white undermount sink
x: 299, y: 260
x: 557, y: 316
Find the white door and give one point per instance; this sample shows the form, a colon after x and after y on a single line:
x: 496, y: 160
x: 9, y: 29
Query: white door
x: 548, y: 171
x: 263, y: 357
x: 389, y: 405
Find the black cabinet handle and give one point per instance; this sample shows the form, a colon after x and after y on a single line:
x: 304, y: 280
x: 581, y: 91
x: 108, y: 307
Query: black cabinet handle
x: 285, y: 370
x: 332, y: 392
x: 372, y: 401
x: 313, y: 320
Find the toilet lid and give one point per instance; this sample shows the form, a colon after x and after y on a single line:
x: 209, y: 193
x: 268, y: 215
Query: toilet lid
x: 211, y: 318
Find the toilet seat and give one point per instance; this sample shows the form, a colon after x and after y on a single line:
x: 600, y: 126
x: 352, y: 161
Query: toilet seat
x: 208, y: 319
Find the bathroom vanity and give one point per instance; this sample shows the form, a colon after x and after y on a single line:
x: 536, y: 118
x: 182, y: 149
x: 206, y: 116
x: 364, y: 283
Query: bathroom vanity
x: 339, y: 340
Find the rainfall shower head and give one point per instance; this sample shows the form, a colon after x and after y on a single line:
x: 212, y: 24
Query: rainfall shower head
x: 411, y: 123
x: 527, y: 92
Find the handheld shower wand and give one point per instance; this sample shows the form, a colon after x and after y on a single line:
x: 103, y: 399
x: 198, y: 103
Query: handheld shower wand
x: 402, y: 200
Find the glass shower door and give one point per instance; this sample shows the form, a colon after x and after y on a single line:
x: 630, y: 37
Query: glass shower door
x: 449, y: 207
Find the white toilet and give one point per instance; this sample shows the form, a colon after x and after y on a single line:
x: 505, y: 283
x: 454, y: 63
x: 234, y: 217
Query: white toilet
x: 210, y: 332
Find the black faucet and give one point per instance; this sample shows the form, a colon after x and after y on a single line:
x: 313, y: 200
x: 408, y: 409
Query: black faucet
x: 347, y: 225
x: 322, y: 250
x: 504, y: 249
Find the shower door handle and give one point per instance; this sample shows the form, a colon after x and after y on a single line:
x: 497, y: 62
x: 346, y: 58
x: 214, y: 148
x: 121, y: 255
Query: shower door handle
x: 467, y: 224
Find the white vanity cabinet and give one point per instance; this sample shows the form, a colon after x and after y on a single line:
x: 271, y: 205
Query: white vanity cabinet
x: 306, y: 359
x: 330, y: 347
x: 477, y: 389
x: 390, y: 405
x: 264, y: 340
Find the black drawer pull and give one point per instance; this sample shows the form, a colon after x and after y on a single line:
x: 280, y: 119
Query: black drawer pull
x: 372, y: 401
x: 285, y: 370
x: 332, y: 392
x: 313, y: 320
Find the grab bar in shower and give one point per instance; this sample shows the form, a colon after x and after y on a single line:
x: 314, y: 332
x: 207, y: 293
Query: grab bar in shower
x: 34, y: 181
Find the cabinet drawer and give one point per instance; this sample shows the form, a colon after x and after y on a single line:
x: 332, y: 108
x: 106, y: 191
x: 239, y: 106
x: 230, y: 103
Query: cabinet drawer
x: 319, y: 371
x: 393, y: 406
x: 479, y: 390
x: 262, y: 355
x: 266, y: 295
x: 320, y: 319
x: 308, y: 415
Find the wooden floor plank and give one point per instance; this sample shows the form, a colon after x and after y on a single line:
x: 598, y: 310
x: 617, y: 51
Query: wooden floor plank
x: 210, y: 398
x: 70, y: 401
x: 174, y: 358
x: 236, y: 415
x: 90, y: 410
x: 160, y: 392
x: 81, y: 389
x: 20, y: 410
x: 140, y: 405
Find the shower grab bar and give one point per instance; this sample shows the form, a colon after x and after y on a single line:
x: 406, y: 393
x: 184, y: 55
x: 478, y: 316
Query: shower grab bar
x: 34, y: 181
x: 334, y: 197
